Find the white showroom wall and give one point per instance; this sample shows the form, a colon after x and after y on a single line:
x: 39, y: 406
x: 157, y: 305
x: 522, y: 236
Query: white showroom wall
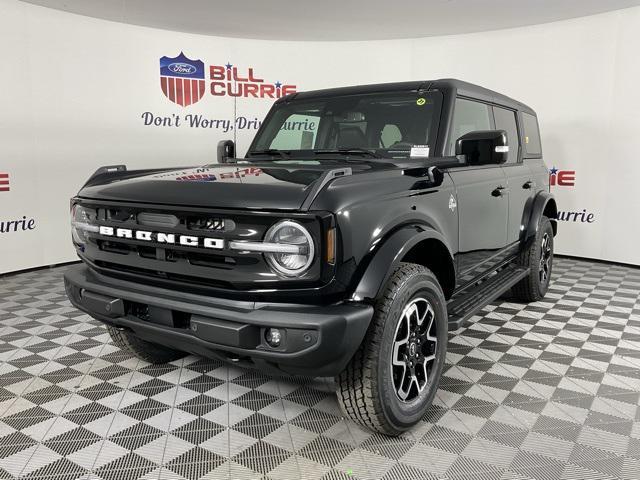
x: 75, y: 89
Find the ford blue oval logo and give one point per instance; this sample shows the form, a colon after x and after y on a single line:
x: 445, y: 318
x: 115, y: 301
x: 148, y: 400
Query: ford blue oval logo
x: 182, y: 68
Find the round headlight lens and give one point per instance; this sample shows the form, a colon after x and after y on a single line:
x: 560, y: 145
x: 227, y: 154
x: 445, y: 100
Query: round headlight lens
x: 82, y: 221
x: 289, y: 233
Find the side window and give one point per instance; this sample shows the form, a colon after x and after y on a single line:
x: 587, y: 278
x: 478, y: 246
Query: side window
x: 506, y: 120
x: 298, y: 132
x: 468, y: 116
x: 532, y: 145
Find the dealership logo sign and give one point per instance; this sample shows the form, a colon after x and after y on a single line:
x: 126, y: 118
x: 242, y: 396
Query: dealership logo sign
x: 562, y: 178
x: 183, y: 81
x: 182, y: 68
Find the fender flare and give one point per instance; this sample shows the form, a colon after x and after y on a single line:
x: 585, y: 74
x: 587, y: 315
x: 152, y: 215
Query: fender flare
x: 536, y: 209
x: 389, y: 255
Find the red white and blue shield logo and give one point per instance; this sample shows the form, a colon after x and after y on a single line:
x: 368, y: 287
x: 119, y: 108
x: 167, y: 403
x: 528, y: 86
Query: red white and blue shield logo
x: 182, y: 79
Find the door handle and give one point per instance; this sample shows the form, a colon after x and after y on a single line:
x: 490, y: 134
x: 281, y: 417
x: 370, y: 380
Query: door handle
x: 499, y: 191
x: 529, y: 184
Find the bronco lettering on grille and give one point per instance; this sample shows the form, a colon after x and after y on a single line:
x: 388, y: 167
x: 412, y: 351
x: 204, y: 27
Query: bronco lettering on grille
x: 160, y: 237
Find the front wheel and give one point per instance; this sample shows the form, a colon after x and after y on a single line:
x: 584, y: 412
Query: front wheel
x: 390, y: 382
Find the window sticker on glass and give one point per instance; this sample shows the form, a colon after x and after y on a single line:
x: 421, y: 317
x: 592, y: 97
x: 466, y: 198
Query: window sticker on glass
x: 419, y: 151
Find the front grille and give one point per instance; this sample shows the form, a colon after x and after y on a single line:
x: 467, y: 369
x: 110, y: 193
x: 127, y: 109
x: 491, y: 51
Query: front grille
x: 218, y: 266
x: 173, y: 255
x: 110, y: 267
x: 161, y: 220
x: 201, y: 222
x: 209, y: 224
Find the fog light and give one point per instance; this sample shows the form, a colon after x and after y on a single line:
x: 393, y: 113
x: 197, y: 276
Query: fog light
x: 273, y: 336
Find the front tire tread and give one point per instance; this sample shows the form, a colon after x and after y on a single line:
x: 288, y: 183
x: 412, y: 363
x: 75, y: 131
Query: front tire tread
x: 358, y: 382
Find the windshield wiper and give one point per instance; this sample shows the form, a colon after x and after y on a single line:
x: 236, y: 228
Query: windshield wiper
x: 270, y: 151
x: 349, y: 151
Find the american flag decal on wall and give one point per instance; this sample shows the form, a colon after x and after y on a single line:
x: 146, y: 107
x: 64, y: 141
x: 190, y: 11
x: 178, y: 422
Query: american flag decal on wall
x: 4, y: 182
x: 182, y: 79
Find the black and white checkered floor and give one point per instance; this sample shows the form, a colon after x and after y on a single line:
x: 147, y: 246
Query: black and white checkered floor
x: 542, y: 391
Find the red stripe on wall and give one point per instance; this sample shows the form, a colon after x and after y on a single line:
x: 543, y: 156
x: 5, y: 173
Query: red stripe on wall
x: 172, y: 89
x: 179, y: 88
x: 163, y: 85
x: 201, y: 87
x: 194, y: 89
x: 4, y: 189
x: 4, y: 175
x: 187, y: 93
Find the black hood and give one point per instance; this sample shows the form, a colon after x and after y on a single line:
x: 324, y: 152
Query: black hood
x: 252, y: 186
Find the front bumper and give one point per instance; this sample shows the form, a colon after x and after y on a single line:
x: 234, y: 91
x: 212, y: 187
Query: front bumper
x: 317, y: 340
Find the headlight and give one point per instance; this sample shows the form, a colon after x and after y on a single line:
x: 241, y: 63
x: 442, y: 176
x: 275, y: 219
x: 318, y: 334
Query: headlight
x: 297, y: 248
x: 82, y: 221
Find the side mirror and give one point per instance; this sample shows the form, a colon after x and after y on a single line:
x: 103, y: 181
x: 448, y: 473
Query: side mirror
x: 483, y: 147
x: 226, y: 150
x: 431, y: 177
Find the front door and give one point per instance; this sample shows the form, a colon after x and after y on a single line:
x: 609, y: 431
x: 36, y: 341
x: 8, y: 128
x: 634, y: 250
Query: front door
x: 482, y: 196
x: 483, y: 206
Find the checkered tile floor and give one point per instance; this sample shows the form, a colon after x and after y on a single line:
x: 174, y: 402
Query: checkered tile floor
x: 542, y: 391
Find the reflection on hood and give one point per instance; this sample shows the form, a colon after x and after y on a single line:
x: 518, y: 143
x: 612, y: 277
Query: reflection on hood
x: 242, y: 174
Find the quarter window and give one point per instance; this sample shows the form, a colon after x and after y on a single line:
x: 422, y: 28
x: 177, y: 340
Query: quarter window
x: 468, y: 116
x: 532, y: 145
x: 506, y: 120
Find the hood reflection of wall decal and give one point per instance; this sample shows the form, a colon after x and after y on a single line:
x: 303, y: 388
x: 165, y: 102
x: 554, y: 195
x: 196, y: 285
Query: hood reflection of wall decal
x: 210, y: 177
x: 241, y: 175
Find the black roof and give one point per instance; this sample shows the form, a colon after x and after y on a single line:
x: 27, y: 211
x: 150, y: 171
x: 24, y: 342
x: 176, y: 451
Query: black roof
x: 454, y: 86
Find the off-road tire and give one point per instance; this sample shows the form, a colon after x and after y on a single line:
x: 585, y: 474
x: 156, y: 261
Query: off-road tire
x: 150, y: 352
x: 531, y: 288
x: 365, y: 389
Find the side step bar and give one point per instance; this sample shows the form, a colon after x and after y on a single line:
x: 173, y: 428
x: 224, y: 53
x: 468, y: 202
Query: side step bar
x: 465, y: 304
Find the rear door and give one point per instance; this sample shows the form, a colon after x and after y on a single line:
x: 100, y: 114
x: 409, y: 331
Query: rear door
x: 520, y: 184
x: 482, y: 208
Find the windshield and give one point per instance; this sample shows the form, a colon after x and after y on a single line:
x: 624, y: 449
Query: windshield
x: 392, y: 125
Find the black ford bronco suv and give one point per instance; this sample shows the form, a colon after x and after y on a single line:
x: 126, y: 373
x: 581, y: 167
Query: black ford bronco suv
x: 362, y: 225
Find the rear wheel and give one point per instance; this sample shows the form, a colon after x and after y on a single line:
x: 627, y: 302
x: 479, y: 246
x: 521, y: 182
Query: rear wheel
x: 539, y: 259
x: 392, y: 379
x: 150, y: 352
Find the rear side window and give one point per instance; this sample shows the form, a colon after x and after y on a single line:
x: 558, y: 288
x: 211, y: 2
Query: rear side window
x: 532, y: 145
x: 468, y: 116
x: 506, y: 120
